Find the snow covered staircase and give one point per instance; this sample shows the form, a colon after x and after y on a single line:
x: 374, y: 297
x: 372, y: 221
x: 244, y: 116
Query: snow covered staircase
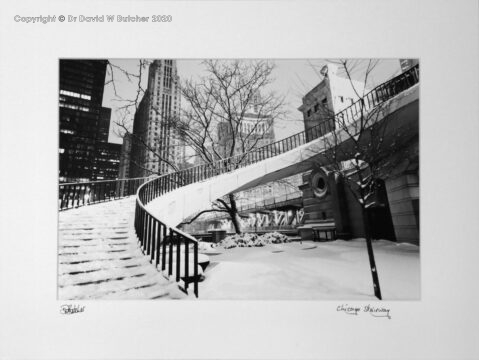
x: 99, y: 256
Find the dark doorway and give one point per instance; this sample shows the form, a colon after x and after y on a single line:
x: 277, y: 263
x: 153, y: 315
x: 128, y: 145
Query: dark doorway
x: 380, y: 216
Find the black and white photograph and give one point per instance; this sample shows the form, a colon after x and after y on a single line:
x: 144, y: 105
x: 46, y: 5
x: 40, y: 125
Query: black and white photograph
x: 239, y: 179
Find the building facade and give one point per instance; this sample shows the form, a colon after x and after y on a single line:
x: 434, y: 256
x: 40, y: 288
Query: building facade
x: 253, y: 130
x: 406, y: 64
x: 394, y: 212
x: 124, y: 171
x: 84, y: 151
x: 155, y: 143
x: 332, y: 95
x: 107, y: 161
x: 81, y: 96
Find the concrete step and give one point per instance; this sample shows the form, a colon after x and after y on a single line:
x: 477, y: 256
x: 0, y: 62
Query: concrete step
x: 99, y: 256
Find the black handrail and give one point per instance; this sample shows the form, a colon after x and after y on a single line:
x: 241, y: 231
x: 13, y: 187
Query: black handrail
x: 154, y: 236
x: 158, y: 239
x: 73, y: 195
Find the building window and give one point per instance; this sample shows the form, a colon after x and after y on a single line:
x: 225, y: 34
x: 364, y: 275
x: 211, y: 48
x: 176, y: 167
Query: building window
x: 308, y: 113
x: 341, y: 98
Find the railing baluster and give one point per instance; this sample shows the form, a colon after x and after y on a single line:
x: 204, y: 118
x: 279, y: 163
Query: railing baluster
x: 170, y: 256
x: 143, y: 232
x: 187, y: 273
x: 61, y: 195
x: 148, y: 234
x: 163, y: 253
x: 158, y: 244
x: 178, y: 257
x: 195, y: 264
x: 154, y: 240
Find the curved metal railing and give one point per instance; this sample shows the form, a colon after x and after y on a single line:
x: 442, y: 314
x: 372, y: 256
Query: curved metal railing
x: 156, y: 238
x: 163, y: 243
x: 73, y: 195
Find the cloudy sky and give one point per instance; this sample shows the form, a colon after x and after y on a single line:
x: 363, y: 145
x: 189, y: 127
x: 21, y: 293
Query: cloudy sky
x: 292, y: 79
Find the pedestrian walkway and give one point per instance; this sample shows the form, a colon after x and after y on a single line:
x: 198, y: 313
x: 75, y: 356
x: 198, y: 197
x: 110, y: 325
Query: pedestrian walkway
x: 99, y: 257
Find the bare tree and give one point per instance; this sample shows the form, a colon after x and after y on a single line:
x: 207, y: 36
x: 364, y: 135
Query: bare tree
x: 126, y: 111
x: 228, y: 114
x: 362, y: 150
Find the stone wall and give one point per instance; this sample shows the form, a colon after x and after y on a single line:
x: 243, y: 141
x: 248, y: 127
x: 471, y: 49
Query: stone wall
x: 403, y: 195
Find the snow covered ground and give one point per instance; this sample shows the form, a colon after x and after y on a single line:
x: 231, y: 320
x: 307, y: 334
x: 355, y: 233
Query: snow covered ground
x: 337, y: 270
x: 99, y: 258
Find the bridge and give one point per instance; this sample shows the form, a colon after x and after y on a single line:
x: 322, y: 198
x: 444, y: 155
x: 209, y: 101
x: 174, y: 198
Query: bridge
x: 281, y: 212
x: 147, y: 255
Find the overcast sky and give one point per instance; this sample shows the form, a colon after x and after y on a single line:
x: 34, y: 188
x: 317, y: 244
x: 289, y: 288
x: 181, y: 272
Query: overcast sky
x: 292, y: 79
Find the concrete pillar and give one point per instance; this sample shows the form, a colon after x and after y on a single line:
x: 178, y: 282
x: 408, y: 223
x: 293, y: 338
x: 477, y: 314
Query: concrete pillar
x: 403, y: 196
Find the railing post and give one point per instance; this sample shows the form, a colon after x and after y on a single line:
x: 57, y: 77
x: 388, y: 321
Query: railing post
x: 170, y: 257
x: 61, y: 195
x: 154, y: 240
x: 147, y: 233
x: 158, y: 244
x: 136, y: 216
x: 187, y: 273
x: 163, y: 253
x: 195, y: 270
x: 143, y: 228
x: 178, y: 257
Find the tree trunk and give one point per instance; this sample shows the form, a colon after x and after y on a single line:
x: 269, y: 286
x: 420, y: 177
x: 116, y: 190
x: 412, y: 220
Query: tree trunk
x: 233, y: 211
x: 372, y: 262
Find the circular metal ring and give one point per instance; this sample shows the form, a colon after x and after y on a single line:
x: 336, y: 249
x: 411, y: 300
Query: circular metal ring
x: 319, y: 184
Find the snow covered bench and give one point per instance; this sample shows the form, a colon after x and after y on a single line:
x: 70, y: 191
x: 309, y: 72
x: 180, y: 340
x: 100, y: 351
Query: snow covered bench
x: 313, y: 229
x: 326, y: 228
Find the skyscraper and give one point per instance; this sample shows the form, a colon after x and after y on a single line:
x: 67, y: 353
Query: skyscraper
x: 252, y: 130
x: 81, y: 95
x: 155, y: 143
x: 124, y: 172
x: 85, y: 153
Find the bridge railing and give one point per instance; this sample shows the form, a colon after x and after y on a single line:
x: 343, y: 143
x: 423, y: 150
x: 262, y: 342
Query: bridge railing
x: 272, y: 201
x: 72, y: 195
x: 168, y: 247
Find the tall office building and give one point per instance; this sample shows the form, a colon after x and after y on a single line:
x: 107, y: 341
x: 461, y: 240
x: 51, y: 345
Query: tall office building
x: 85, y: 153
x: 253, y: 131
x: 155, y: 143
x: 107, y: 161
x: 124, y: 172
